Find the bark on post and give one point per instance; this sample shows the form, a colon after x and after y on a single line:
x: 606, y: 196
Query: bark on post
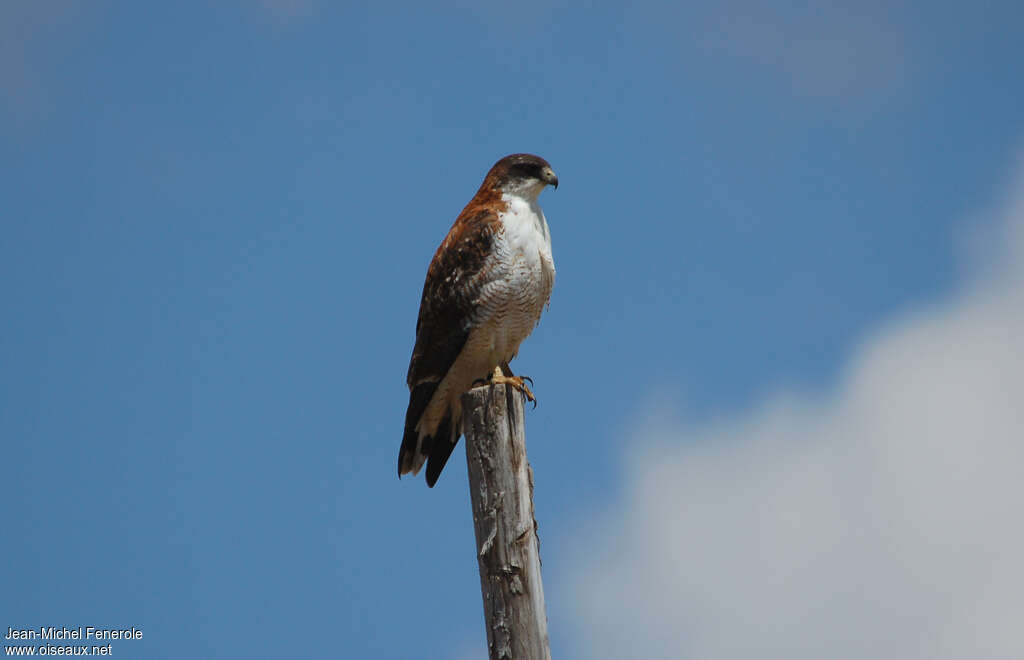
x: 501, y: 487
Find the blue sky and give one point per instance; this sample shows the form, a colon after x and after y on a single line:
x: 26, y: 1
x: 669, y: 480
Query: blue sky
x: 218, y: 217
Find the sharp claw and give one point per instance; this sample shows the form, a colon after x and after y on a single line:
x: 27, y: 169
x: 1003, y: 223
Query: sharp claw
x: 529, y: 379
x: 527, y: 394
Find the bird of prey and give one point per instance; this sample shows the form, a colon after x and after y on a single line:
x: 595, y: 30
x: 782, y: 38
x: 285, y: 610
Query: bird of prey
x: 485, y: 290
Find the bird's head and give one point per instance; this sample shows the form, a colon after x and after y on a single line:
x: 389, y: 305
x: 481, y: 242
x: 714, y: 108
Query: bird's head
x: 524, y: 175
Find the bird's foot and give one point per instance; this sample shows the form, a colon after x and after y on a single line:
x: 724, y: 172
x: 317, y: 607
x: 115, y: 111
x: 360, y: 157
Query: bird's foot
x: 518, y: 382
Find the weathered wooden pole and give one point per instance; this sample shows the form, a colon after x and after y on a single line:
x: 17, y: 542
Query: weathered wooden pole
x: 501, y: 487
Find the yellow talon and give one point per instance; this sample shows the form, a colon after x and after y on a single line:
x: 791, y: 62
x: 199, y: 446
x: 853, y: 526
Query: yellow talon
x: 498, y: 378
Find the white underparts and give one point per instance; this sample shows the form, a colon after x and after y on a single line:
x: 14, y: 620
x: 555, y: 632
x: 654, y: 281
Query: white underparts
x: 521, y: 276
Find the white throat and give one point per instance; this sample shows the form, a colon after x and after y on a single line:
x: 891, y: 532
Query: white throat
x: 524, y: 216
x: 529, y: 189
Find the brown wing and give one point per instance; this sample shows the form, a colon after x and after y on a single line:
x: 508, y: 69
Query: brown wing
x: 461, y: 266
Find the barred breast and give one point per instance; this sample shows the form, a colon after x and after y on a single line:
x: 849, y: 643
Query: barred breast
x: 519, y: 295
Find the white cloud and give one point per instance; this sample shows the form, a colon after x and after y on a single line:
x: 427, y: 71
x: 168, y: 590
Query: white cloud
x: 885, y: 520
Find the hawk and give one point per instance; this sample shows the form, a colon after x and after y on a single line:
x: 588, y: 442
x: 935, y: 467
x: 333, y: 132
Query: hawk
x: 485, y: 290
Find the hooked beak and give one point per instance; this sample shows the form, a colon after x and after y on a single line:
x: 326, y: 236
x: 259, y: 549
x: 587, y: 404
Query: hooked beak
x: 550, y: 177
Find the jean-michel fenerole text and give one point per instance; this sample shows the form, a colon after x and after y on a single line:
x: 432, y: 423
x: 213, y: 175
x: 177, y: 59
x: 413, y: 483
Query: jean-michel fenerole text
x: 81, y: 632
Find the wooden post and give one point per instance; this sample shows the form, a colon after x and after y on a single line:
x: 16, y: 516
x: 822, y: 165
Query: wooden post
x: 501, y: 486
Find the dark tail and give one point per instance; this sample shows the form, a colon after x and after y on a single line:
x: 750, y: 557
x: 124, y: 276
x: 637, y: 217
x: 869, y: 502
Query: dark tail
x: 445, y: 439
x: 436, y: 448
x: 411, y: 456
